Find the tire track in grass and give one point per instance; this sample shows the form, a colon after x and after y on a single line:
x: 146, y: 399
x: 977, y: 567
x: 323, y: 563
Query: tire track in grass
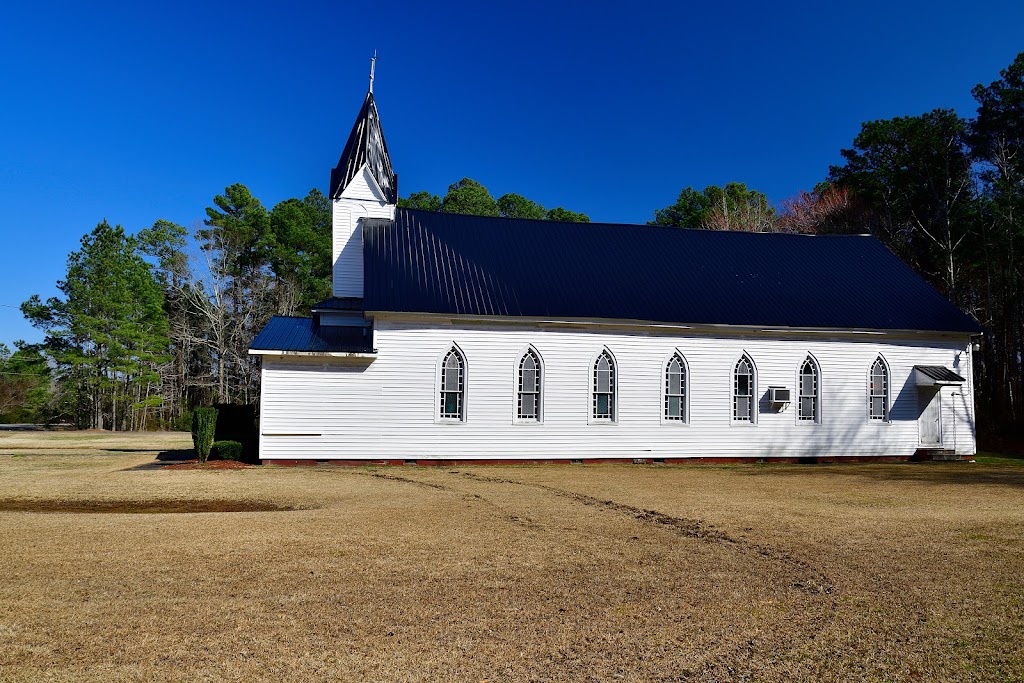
x: 812, y: 580
x: 417, y: 482
x: 466, y: 495
x: 735, y: 662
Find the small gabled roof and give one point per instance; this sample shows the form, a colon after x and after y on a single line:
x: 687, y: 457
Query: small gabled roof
x: 426, y: 262
x: 303, y: 335
x: 939, y: 374
x: 366, y: 146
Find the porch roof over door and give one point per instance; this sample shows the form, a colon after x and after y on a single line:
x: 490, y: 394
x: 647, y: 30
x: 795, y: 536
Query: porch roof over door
x: 936, y: 375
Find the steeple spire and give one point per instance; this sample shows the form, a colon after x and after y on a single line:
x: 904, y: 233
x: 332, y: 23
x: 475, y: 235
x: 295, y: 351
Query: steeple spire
x: 373, y: 66
x: 366, y: 146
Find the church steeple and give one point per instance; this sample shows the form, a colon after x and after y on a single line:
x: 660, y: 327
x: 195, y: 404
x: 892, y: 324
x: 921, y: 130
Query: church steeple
x: 366, y: 146
x: 363, y: 186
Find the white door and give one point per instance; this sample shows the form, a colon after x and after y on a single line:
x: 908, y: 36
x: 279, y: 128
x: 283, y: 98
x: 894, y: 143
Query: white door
x: 930, y: 422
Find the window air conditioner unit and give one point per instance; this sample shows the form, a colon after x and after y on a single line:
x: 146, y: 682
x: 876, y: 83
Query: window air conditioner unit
x: 779, y: 395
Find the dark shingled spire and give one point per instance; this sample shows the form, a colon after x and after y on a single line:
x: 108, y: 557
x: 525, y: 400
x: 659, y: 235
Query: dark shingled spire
x: 366, y: 146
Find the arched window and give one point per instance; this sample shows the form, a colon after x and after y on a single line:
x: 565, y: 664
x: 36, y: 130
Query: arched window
x: 604, y: 387
x: 453, y: 386
x: 878, y: 391
x: 528, y: 403
x: 675, y: 389
x: 807, y: 407
x: 743, y: 390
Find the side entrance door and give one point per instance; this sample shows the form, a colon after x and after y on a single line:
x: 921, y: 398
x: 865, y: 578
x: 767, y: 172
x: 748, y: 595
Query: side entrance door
x: 930, y: 422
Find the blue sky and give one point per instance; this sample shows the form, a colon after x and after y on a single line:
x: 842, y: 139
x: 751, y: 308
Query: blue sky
x: 139, y: 111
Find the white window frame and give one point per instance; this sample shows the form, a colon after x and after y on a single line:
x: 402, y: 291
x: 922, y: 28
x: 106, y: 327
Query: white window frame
x: 817, y: 391
x: 754, y: 401
x: 439, y: 418
x: 886, y: 395
x: 665, y: 419
x: 516, y: 391
x: 592, y: 394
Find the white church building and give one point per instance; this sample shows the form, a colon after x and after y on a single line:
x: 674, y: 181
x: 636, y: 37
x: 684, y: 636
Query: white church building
x: 465, y: 338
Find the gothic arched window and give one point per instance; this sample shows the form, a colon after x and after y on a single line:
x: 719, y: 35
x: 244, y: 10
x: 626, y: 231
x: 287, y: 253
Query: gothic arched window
x: 878, y: 391
x: 604, y: 387
x: 529, y: 394
x: 744, y: 381
x: 453, y: 386
x: 675, y: 389
x: 807, y: 403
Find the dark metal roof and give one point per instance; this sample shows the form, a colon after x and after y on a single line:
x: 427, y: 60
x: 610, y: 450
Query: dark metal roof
x: 340, y: 303
x: 365, y: 145
x: 470, y: 265
x: 303, y: 334
x: 939, y: 373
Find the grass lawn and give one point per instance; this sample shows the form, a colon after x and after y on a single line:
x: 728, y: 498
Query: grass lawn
x: 999, y: 458
x: 606, y: 573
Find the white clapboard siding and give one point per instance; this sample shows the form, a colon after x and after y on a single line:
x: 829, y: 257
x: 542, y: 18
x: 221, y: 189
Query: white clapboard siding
x: 361, y: 199
x: 387, y: 408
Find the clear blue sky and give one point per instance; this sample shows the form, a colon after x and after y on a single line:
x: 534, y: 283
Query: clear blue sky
x: 139, y: 111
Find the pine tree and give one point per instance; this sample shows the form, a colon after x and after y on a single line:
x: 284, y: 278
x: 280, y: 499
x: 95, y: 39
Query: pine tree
x: 108, y: 334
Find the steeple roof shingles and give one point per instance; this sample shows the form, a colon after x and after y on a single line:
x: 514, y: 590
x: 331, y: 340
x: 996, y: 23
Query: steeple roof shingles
x: 366, y: 146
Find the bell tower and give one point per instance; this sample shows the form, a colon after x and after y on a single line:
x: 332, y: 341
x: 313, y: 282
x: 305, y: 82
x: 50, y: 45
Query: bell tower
x: 363, y: 185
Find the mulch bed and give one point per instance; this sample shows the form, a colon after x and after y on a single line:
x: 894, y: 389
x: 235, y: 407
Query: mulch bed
x: 209, y: 465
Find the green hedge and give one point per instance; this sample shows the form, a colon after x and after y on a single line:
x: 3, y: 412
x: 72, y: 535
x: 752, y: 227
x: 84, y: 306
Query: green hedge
x: 226, y: 450
x: 204, y: 425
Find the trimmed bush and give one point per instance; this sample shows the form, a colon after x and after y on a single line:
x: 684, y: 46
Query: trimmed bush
x: 204, y: 424
x: 226, y: 450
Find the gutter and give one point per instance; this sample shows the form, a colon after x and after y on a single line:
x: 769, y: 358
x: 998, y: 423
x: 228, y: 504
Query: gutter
x: 353, y: 355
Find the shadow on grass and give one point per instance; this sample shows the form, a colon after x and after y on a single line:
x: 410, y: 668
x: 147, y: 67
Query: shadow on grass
x: 1000, y: 471
x: 176, y: 455
x: 145, y: 450
x: 164, y: 458
x: 35, y: 428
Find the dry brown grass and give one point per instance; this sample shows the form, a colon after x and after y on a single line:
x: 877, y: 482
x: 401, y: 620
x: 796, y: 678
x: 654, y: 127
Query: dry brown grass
x: 635, y: 573
x: 43, y: 442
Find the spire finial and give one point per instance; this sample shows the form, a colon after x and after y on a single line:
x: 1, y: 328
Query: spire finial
x: 373, y: 66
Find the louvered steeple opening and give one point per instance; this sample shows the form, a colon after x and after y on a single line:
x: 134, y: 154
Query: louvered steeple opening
x: 366, y: 146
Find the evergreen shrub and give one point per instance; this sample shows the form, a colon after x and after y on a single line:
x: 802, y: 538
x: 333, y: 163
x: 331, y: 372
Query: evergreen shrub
x: 204, y: 425
x: 226, y: 450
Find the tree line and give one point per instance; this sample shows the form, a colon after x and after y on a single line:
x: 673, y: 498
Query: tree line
x: 150, y: 325
x: 470, y: 197
x: 943, y: 192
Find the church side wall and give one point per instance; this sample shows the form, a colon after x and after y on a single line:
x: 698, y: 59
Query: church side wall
x: 386, y: 409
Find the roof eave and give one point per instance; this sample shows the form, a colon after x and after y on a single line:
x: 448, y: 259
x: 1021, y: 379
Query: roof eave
x: 354, y: 355
x: 569, y: 321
